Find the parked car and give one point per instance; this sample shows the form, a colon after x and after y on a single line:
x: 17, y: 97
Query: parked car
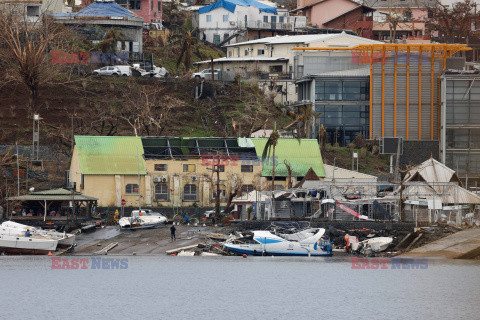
x: 107, y: 71
x: 126, y: 71
x: 203, y: 73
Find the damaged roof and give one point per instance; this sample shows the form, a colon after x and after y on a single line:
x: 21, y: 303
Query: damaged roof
x: 302, y: 154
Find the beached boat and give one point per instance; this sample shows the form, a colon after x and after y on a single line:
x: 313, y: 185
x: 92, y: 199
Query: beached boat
x: 145, y: 219
x: 17, y: 238
x: 309, y: 242
x: 18, y: 229
x: 27, y: 245
x: 372, y: 245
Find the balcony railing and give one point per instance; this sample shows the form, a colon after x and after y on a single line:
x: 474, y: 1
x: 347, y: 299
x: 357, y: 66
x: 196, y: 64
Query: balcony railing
x: 290, y: 24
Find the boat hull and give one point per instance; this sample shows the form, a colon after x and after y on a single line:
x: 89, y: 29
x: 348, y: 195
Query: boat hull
x: 141, y: 227
x: 18, y: 251
x: 277, y: 253
x: 264, y: 243
x: 30, y: 245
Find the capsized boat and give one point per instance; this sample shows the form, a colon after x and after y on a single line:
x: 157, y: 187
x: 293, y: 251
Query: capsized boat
x: 144, y: 219
x: 309, y: 242
x: 372, y: 245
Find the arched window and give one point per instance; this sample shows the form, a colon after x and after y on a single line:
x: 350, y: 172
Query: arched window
x: 161, y: 192
x: 190, y: 192
x: 131, y: 188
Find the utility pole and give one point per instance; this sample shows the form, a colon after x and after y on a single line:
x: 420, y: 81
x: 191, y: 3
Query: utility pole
x: 216, y: 169
x: 18, y: 171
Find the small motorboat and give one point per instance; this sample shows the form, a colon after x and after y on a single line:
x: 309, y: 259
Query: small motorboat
x: 144, y: 219
x: 309, y: 242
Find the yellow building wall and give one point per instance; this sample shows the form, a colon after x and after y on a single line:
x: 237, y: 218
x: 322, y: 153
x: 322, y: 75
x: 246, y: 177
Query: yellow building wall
x: 110, y: 189
x: 203, y: 178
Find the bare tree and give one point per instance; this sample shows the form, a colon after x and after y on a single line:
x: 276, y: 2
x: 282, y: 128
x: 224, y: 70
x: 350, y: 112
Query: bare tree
x: 236, y: 184
x: 25, y: 43
x: 453, y: 23
x: 146, y: 108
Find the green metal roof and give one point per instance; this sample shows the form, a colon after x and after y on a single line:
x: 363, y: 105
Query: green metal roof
x: 33, y: 197
x: 59, y: 191
x: 110, y: 155
x: 302, y: 154
x: 53, y: 195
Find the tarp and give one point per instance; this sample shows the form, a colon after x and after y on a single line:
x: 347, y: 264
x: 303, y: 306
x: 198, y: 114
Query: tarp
x: 104, y: 9
x: 230, y: 5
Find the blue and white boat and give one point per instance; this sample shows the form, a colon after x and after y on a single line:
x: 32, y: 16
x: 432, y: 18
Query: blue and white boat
x: 309, y: 242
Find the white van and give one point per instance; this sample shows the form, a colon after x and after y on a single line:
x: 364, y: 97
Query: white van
x: 126, y: 71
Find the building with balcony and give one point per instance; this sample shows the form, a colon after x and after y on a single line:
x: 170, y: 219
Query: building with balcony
x: 413, y: 16
x: 276, y: 66
x: 231, y: 21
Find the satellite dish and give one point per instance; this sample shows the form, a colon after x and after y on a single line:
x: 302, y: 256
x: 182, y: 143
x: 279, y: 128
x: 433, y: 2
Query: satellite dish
x: 31, y: 189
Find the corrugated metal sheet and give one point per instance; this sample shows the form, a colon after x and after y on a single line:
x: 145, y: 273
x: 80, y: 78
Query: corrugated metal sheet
x: 59, y: 191
x: 345, y: 174
x: 448, y: 194
x: 431, y: 171
x: 34, y: 197
x: 302, y: 154
x: 104, y: 9
x: 110, y: 155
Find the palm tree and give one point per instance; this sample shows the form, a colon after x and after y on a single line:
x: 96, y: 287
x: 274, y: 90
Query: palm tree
x: 186, y: 38
x: 188, y: 47
x: 270, y: 146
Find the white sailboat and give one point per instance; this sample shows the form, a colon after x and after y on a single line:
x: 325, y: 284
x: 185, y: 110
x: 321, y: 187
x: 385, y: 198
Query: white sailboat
x: 14, y: 238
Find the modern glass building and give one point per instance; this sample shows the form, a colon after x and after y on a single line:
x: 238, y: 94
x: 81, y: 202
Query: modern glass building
x: 460, y: 129
x: 341, y: 103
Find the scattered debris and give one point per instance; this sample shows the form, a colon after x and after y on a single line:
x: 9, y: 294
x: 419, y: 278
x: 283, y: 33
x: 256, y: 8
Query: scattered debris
x: 105, y: 250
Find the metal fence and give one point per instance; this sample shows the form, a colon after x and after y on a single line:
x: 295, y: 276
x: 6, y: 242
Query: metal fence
x: 418, y: 202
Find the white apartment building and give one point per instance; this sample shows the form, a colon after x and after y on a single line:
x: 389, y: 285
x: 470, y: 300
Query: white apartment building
x: 276, y: 65
x: 230, y: 20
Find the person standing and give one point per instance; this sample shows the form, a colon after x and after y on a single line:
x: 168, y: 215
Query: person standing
x: 172, y: 232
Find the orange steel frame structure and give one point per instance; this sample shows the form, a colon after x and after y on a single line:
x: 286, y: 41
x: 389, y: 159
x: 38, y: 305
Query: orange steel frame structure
x: 369, y: 54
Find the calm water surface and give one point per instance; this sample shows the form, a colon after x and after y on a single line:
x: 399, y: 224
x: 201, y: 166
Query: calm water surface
x: 163, y: 287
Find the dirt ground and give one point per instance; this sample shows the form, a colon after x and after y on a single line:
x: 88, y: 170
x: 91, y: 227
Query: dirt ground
x: 141, y: 242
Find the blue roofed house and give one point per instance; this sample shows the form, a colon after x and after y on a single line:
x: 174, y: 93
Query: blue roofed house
x: 96, y: 19
x: 231, y: 21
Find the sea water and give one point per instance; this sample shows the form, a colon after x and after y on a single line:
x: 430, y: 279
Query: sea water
x: 165, y: 287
